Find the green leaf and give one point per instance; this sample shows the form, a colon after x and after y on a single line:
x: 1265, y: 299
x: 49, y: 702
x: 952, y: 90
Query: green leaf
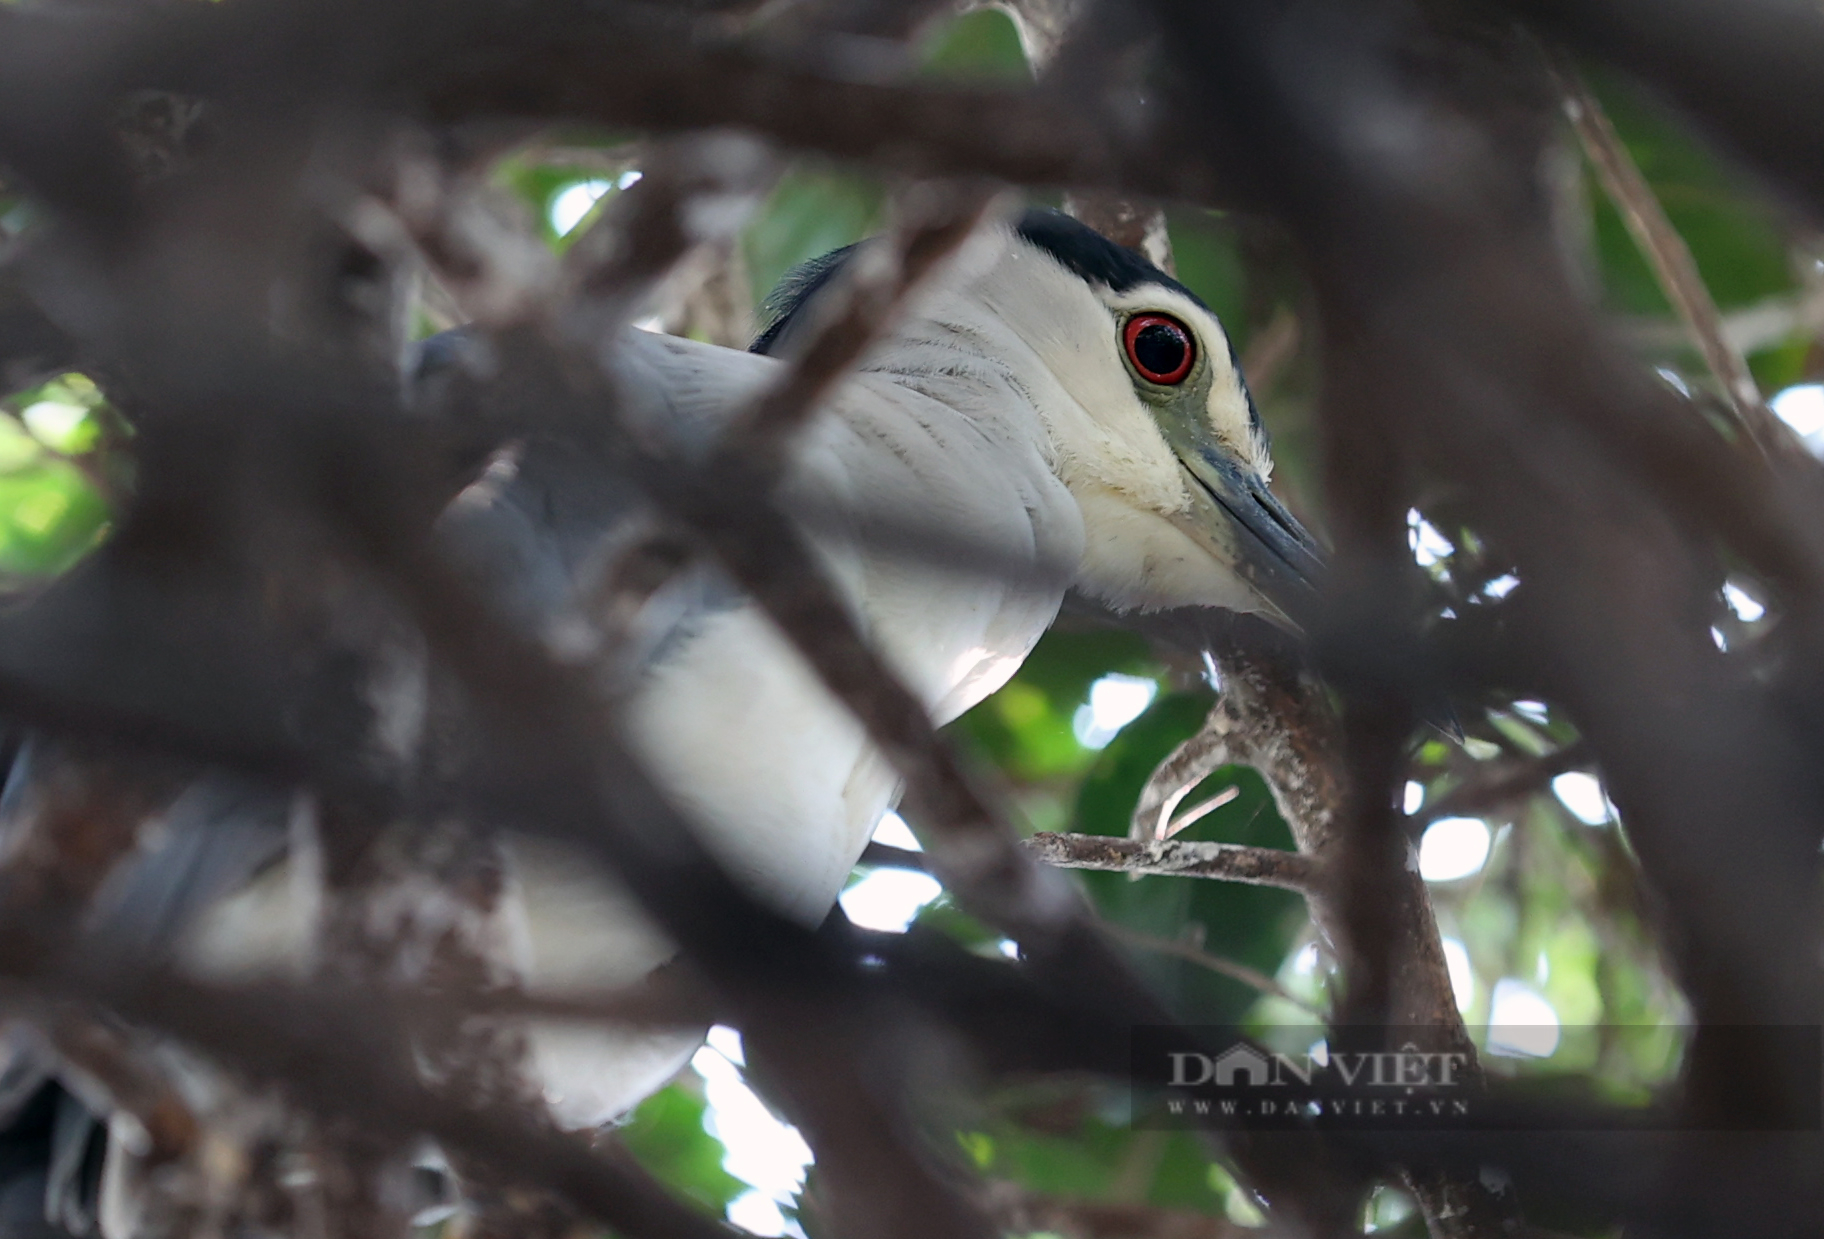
x: 61, y: 425
x: 982, y: 46
x: 51, y: 513
x: 1096, y: 1157
x: 1784, y: 364
x: 812, y: 211
x: 18, y: 449
x: 49, y: 516
x: 537, y: 182
x: 1207, y: 253
x: 666, y: 1134
x: 943, y: 914
x: 1026, y: 727
x: 1734, y: 237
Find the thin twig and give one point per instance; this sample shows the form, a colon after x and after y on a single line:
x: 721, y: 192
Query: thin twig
x: 1251, y: 977
x: 1496, y: 784
x: 101, y: 1051
x: 1175, y: 778
x: 867, y: 300
x: 1663, y: 247
x: 1190, y: 817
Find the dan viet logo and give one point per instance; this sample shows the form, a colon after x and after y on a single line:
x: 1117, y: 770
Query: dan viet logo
x: 1244, y: 1065
x: 1246, y: 1083
x: 1422, y: 1078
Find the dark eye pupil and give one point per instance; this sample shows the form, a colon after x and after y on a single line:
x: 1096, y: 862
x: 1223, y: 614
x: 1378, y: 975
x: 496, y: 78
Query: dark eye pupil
x: 1159, y: 348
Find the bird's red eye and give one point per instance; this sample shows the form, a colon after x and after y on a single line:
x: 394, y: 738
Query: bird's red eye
x: 1160, y: 347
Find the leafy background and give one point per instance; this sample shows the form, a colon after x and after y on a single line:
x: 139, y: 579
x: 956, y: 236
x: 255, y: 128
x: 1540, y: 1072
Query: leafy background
x: 1551, y: 915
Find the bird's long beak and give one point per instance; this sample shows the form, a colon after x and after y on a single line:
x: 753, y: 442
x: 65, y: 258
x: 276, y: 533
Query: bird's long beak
x: 1249, y: 529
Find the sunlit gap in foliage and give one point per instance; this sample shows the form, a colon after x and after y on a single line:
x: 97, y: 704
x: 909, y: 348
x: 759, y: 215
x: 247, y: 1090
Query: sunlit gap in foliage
x: 894, y: 833
x: 1305, y: 959
x: 890, y: 899
x: 1453, y: 848
x: 1387, y: 1208
x: 1462, y: 974
x: 1745, y: 607
x: 1305, y: 974
x: 1802, y: 408
x: 55, y: 476
x: 1429, y: 547
x: 1533, y: 711
x: 764, y: 1151
x: 571, y: 205
x: 1582, y: 794
x: 1115, y: 700
x: 1522, y: 1023
x: 1238, y: 1202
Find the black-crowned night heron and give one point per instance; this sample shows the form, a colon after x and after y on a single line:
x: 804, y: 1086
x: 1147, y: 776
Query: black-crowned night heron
x: 1055, y: 400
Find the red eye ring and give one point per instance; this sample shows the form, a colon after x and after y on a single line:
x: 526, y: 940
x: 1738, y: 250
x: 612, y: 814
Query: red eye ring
x: 1160, y: 347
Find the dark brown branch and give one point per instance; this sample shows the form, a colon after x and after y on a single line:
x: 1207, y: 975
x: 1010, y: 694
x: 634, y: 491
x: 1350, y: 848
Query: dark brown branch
x: 613, y: 268
x: 107, y: 1056
x: 619, y: 66
x: 32, y: 349
x: 887, y: 855
x: 622, y: 74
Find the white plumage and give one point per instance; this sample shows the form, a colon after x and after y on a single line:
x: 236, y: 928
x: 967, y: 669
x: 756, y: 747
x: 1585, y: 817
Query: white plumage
x: 1016, y: 409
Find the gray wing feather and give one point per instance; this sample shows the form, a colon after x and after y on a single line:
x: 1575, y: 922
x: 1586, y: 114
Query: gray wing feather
x: 220, y: 833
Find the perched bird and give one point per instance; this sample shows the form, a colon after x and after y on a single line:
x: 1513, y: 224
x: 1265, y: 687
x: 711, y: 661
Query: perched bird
x: 1055, y: 400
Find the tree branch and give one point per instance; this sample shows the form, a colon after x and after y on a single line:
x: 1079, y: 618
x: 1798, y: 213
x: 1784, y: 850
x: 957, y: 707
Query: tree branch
x: 1251, y: 977
x: 1228, y: 862
x: 1498, y: 784
x: 1672, y: 262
